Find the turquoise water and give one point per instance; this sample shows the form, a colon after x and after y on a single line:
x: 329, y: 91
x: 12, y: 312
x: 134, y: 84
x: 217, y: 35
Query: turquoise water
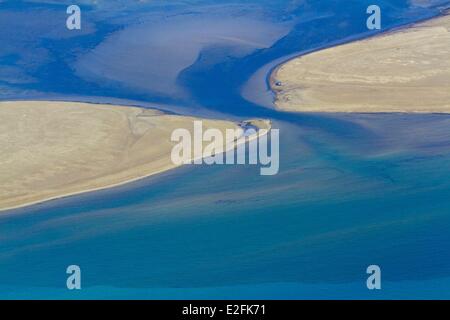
x: 352, y: 190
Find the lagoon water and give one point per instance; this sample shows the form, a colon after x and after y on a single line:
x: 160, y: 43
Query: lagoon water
x: 353, y: 190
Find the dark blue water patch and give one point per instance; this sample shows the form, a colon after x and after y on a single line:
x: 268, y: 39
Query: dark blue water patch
x: 26, y: 5
x: 9, y: 59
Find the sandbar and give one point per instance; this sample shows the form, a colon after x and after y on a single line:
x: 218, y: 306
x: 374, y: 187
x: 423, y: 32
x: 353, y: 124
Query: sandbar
x: 404, y: 70
x: 53, y: 149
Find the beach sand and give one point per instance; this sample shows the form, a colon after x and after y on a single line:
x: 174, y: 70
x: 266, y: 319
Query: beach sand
x: 55, y: 149
x: 406, y: 70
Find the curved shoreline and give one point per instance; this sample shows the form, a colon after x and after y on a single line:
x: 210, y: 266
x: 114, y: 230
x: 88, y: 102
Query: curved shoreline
x: 113, y: 175
x: 270, y: 78
x: 29, y: 204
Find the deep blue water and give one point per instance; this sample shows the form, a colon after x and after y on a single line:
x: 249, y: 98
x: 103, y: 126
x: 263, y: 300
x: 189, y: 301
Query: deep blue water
x: 352, y: 190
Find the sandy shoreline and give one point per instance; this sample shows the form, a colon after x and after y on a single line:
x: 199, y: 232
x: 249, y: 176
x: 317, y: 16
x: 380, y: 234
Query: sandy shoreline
x: 405, y: 70
x: 52, y: 150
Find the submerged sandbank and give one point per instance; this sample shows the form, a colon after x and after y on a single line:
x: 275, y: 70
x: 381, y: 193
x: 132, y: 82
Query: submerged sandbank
x: 55, y: 149
x: 407, y: 70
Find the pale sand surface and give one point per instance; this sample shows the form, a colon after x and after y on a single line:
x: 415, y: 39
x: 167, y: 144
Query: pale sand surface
x: 55, y: 149
x: 406, y: 70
